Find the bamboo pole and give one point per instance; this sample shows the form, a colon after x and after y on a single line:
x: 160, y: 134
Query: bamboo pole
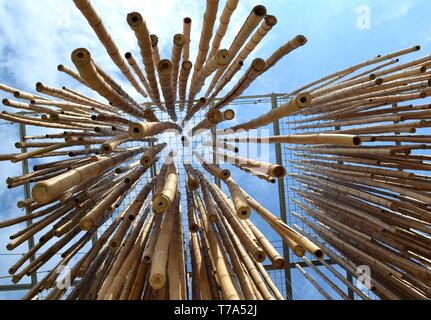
x: 138, y: 25
x: 157, y: 276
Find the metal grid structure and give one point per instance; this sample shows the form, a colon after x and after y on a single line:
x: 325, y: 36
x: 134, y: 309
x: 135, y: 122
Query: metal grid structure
x: 285, y: 278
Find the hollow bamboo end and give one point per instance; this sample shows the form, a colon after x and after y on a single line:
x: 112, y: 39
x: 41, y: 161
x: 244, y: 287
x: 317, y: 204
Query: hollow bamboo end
x: 134, y: 18
x: 260, y: 10
x: 146, y: 161
x: 301, y: 40
x: 357, y: 141
x: 193, y: 228
x: 161, y: 204
x: 259, y: 255
x: 303, y: 100
x: 259, y: 64
x: 157, y: 281
x: 193, y: 184
x: 187, y: 20
x: 86, y: 224
x: 106, y: 148
x: 187, y: 65
x: 223, y: 57
x: 42, y: 193
x: 60, y: 67
x: 225, y: 174
x: 128, y: 55
x: 214, y: 116
x: 164, y: 66
x: 278, y: 263
x: 244, y: 213
x: 81, y: 56
x: 12, y: 271
x: 279, y: 172
x: 154, y: 40
x: 136, y: 130
x: 271, y: 20
x: 113, y: 244
x: 229, y: 114
x: 179, y: 39
x: 318, y: 253
x: 147, y: 259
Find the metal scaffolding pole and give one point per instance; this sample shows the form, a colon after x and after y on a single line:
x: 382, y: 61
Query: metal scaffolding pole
x: 27, y: 195
x: 282, y: 202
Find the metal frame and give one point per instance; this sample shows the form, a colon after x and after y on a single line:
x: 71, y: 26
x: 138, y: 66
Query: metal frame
x: 287, y: 268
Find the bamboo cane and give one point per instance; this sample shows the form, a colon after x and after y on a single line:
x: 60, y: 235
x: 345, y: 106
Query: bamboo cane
x: 44, y: 192
x: 212, y: 169
x: 186, y: 68
x: 138, y: 25
x: 165, y: 76
x: 134, y: 65
x: 206, y: 34
x: 179, y: 42
x: 299, y: 102
x: 187, y: 27
x: 242, y: 209
x: 191, y: 209
x: 148, y: 129
x: 157, y: 276
x: 163, y: 200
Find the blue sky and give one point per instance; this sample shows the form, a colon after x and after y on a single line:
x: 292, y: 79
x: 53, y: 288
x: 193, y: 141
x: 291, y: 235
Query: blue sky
x: 31, y: 47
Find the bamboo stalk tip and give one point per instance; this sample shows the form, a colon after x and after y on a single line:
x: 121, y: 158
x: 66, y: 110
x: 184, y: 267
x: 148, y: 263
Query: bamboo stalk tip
x: 160, y: 204
x: 318, y: 253
x: 193, y: 228
x: 259, y: 64
x: 154, y: 40
x: 81, y: 56
x: 357, y: 141
x: 12, y: 271
x: 187, y: 20
x: 271, y: 20
x: 179, y: 39
x: 128, y: 55
x: 259, y: 255
x: 301, y: 40
x: 86, y: 224
x: 280, y: 172
x: 157, y: 281
x: 229, y: 114
x: 225, y: 174
x: 244, y: 213
x: 134, y: 18
x: 6, y: 102
x: 165, y: 65
x: 41, y: 193
x: 187, y: 65
x: 278, y: 263
x: 260, y: 10
x: 60, y: 67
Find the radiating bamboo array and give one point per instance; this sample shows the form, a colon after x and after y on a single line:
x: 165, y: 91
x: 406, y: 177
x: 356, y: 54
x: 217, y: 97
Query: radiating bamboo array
x: 362, y: 180
x: 369, y: 199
